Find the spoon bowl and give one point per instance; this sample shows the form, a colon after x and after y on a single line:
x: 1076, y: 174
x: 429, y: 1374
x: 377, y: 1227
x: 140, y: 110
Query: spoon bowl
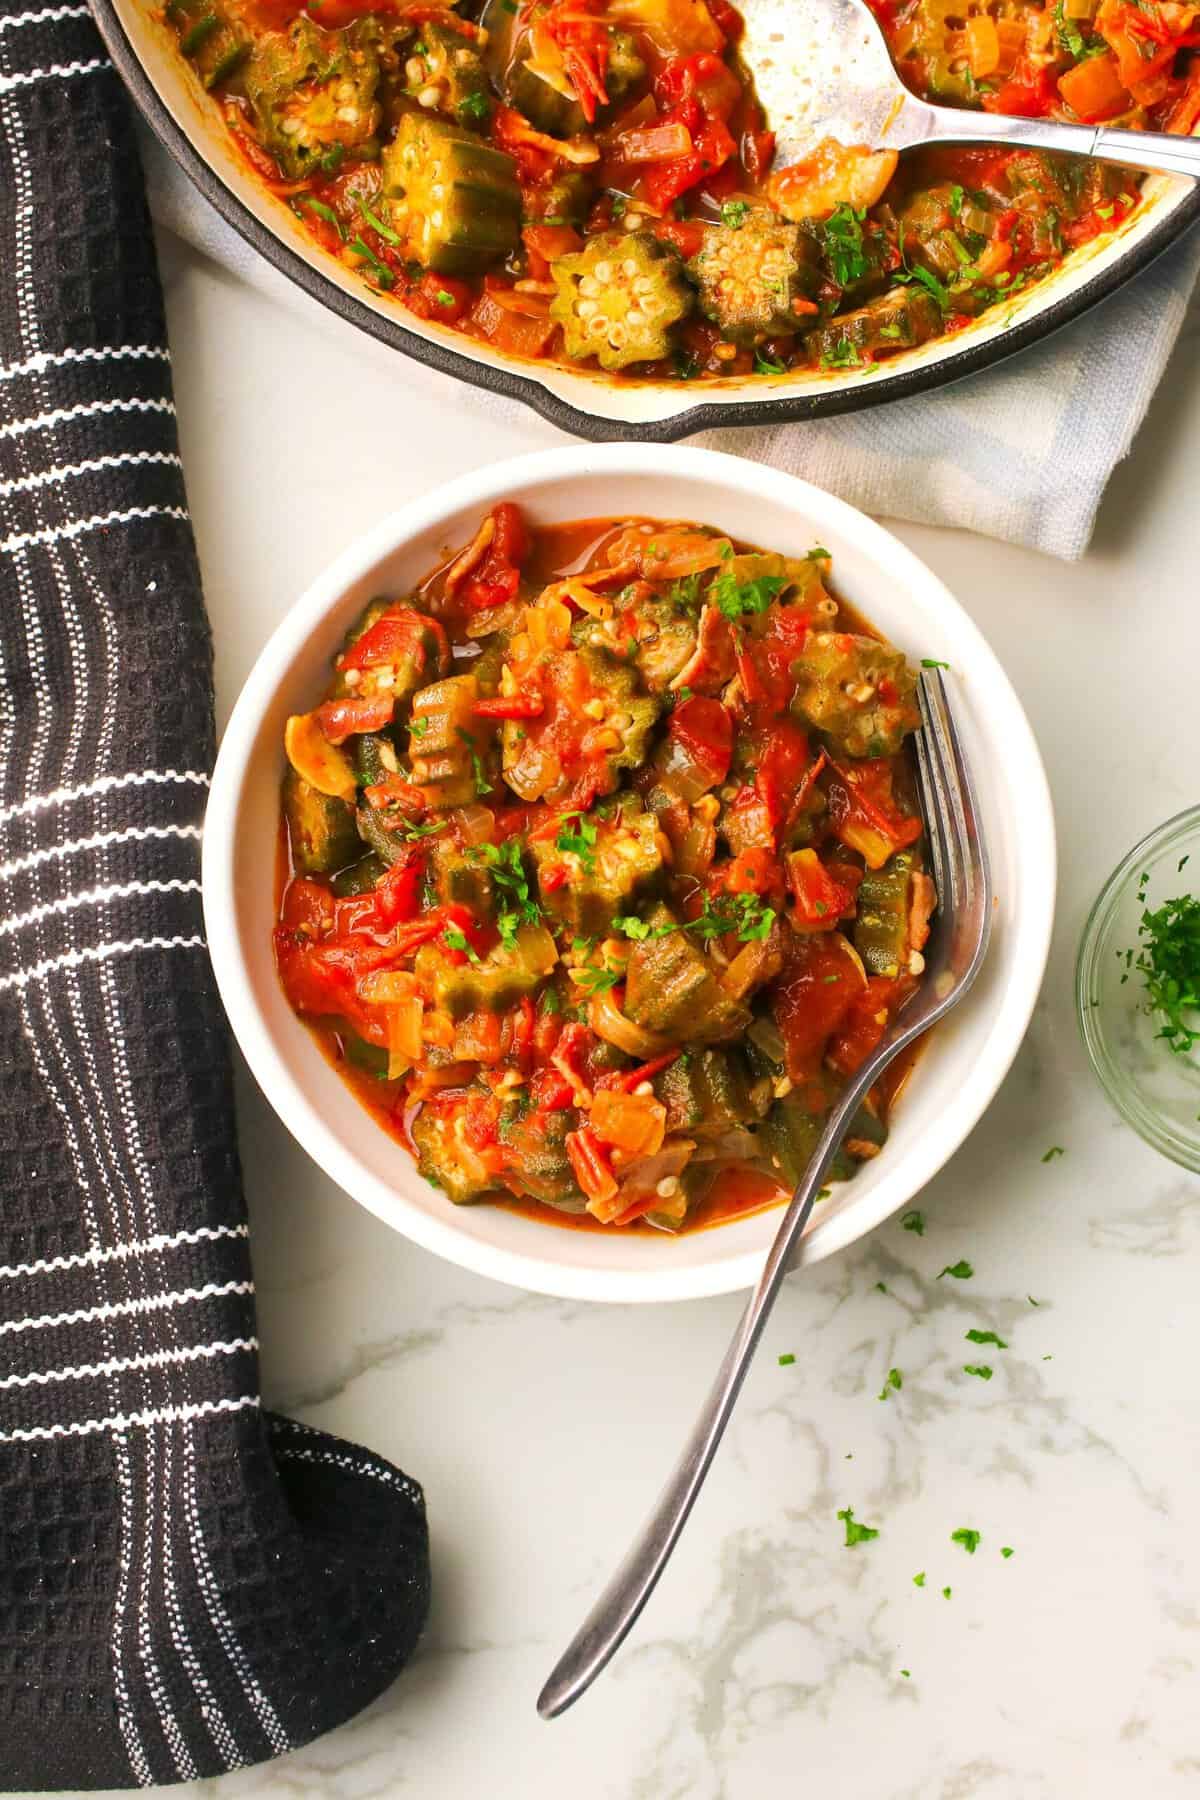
x: 822, y: 70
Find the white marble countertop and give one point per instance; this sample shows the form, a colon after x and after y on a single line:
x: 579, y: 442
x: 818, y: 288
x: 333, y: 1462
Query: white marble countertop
x: 773, y: 1661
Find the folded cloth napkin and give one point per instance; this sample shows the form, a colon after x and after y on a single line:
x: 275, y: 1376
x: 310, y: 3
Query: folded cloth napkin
x: 186, y: 1583
x: 1022, y: 452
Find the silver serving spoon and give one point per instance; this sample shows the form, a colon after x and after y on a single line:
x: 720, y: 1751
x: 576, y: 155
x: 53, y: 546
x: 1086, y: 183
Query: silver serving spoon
x: 953, y: 957
x: 823, y: 70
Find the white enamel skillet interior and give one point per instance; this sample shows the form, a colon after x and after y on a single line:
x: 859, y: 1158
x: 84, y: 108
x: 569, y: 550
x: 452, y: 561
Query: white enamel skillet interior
x: 189, y: 123
x: 958, y: 1071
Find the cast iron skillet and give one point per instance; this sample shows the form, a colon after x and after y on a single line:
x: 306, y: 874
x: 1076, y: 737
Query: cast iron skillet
x: 1114, y: 265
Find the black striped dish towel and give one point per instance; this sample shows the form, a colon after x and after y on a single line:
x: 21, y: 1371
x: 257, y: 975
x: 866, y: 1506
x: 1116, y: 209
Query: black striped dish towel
x: 186, y: 1583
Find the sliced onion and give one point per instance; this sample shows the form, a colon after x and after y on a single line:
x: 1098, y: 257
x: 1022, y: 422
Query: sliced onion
x: 609, y: 1022
x: 475, y: 823
x: 643, y: 1178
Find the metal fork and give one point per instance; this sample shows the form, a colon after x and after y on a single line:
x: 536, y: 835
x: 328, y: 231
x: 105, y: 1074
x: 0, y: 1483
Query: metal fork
x: 953, y: 957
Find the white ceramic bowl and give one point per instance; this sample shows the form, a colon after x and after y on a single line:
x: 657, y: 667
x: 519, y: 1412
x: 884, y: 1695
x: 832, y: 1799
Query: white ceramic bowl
x: 190, y: 124
x: 960, y: 1069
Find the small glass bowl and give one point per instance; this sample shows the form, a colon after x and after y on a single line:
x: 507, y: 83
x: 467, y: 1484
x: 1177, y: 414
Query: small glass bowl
x: 1154, y: 1090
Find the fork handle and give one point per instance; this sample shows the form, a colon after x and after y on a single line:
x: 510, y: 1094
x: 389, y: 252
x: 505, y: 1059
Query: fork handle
x: 617, y: 1609
x: 1161, y: 151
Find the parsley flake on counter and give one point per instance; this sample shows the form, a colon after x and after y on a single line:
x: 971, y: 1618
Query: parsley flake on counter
x: 907, y: 1674
x: 919, y: 1580
x: 983, y: 1370
x: 961, y: 1270
x: 786, y: 1359
x: 914, y: 1221
x: 1006, y: 1550
x: 856, y: 1533
x: 1053, y: 1151
x: 880, y: 1287
x: 894, y: 1380
x: 970, y: 1540
x: 1032, y: 1301
x: 946, y: 1593
x: 985, y: 1337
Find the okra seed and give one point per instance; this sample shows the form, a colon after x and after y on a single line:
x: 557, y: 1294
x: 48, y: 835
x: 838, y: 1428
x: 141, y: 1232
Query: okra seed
x: 429, y: 97
x: 589, y: 286
x: 667, y: 1186
x: 642, y: 1089
x: 349, y: 115
x: 629, y: 267
x: 414, y: 71
x: 586, y: 308
x: 290, y: 127
x: 634, y: 317
x: 602, y: 272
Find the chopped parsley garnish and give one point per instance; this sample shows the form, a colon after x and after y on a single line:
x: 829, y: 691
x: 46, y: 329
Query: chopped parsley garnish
x: 506, y: 867
x: 322, y: 211
x: 1006, y: 1551
x: 970, y: 1540
x: 767, y: 365
x: 418, y: 727
x: 894, y: 1380
x: 818, y: 553
x: 458, y: 940
x: 685, y: 362
x: 856, y: 1533
x: 410, y: 833
x: 685, y: 593
x: 577, y: 837
x: 985, y: 1337
x: 383, y: 275
x: 842, y: 356
x: 475, y: 107
x: 843, y: 237
x: 961, y: 1270
x: 919, y: 1580
x: 1168, y: 961
x: 550, y: 1002
x: 482, y: 784
x: 914, y: 1221
x: 929, y: 281
x: 377, y: 224
x: 956, y: 200
x: 639, y: 931
x: 931, y: 662
x: 747, y: 914
x: 1053, y: 1151
x: 734, y: 598
x: 786, y: 1359
x: 733, y: 213
x: 598, y: 981
x: 443, y: 298
x: 983, y: 1370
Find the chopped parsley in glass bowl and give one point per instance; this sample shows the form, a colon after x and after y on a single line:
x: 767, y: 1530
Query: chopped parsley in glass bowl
x: 1137, y: 988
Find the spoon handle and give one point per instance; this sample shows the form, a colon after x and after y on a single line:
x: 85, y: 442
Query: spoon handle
x: 1161, y: 151
x: 618, y: 1607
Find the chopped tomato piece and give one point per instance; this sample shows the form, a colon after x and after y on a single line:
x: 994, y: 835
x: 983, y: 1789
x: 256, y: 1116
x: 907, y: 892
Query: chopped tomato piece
x: 593, y: 1170
x: 340, y: 719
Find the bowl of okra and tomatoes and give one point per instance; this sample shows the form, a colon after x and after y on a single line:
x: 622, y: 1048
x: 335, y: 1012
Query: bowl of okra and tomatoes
x: 596, y: 795
x: 573, y: 204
